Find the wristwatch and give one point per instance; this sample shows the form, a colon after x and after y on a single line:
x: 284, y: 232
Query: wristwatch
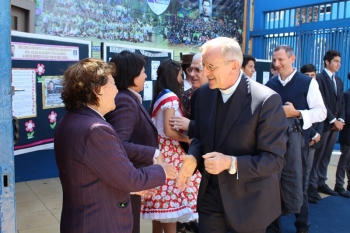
x: 232, y: 170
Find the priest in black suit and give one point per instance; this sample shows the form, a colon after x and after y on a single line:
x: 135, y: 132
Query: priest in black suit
x: 239, y: 144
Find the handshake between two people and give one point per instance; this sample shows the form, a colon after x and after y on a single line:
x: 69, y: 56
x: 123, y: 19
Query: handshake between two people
x: 214, y: 163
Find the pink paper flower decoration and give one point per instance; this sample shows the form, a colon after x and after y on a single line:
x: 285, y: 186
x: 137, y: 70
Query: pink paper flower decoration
x: 52, y: 117
x: 40, y: 69
x: 29, y: 126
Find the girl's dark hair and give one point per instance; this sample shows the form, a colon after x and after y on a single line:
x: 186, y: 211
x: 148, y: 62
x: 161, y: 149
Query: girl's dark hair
x: 82, y: 82
x: 129, y: 66
x: 167, y: 74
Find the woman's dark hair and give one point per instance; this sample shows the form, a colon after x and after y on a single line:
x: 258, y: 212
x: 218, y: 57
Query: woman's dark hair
x: 129, y: 66
x: 308, y: 68
x: 167, y: 74
x: 82, y: 82
x: 330, y: 54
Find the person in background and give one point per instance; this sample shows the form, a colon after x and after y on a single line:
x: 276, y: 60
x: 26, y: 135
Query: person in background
x: 315, y: 133
x: 248, y: 65
x: 185, y: 64
x: 273, y: 70
x: 344, y: 140
x: 187, y: 89
x: 331, y: 88
x: 170, y: 205
x: 95, y: 172
x: 197, y: 80
x: 238, y: 146
x: 131, y: 121
x: 303, y: 106
x: 13, y: 49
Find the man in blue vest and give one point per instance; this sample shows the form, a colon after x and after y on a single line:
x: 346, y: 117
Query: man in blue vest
x: 303, y: 103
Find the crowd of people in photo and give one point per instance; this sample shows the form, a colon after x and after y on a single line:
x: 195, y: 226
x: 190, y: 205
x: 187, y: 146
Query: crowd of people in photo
x: 197, y: 31
x: 116, y: 22
x: 95, y: 19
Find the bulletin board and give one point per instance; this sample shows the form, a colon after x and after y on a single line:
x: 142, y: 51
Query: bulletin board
x: 154, y: 58
x: 38, y: 64
x: 262, y: 71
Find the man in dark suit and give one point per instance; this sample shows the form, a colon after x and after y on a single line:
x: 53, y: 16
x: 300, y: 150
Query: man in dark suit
x: 240, y: 140
x: 331, y: 88
x: 344, y: 140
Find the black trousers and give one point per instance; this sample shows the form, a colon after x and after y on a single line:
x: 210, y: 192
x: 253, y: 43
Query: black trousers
x: 343, y: 164
x: 322, y: 157
x: 302, y: 218
x: 212, y: 216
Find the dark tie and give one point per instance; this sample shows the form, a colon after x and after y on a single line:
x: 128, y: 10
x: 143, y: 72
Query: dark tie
x: 334, y: 84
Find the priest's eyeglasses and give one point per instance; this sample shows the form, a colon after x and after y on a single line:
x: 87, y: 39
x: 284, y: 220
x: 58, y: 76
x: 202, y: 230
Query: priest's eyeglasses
x: 212, y: 67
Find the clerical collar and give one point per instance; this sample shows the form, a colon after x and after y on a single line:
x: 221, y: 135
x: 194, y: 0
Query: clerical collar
x: 226, y: 94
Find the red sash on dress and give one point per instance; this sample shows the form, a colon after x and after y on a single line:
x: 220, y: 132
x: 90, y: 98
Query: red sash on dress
x: 164, y: 97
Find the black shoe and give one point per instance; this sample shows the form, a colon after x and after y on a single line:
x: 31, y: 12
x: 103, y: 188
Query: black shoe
x: 180, y: 228
x: 326, y: 190
x: 191, y: 226
x: 302, y: 231
x: 312, y: 192
x: 342, y: 192
x: 312, y: 200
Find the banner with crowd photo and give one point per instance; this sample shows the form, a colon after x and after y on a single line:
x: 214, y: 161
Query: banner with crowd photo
x: 38, y: 64
x: 179, y: 25
x: 154, y: 58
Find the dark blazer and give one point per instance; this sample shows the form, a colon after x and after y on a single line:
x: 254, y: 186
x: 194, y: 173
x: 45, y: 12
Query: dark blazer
x: 344, y: 135
x: 96, y: 175
x: 135, y: 128
x: 255, y: 131
x: 192, y: 116
x: 334, y: 103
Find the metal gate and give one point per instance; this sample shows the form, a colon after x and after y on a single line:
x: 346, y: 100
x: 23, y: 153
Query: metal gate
x: 311, y: 31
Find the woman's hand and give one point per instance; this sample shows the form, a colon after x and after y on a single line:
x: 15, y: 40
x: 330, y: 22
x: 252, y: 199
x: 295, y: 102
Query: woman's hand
x: 146, y: 193
x: 179, y: 123
x: 170, y: 170
x: 160, y: 159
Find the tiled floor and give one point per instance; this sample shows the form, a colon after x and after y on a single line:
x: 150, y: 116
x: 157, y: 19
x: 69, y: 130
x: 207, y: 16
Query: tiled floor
x: 39, y: 204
